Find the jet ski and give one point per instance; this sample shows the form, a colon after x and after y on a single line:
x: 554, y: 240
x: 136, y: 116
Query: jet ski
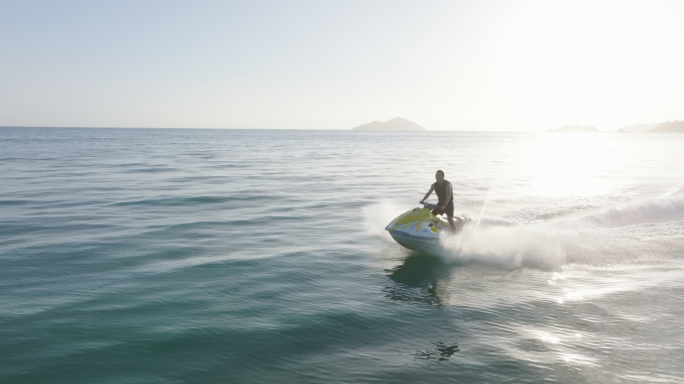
x: 419, y: 229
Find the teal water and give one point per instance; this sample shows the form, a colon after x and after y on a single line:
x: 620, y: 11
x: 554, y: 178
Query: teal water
x: 237, y: 256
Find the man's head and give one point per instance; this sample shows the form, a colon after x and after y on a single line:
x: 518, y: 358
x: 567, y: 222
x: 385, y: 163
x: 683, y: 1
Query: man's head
x: 439, y: 176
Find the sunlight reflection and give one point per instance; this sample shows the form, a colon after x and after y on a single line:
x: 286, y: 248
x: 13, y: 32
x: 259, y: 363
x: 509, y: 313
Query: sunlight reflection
x: 573, y: 292
x: 577, y: 359
x: 555, y: 277
x: 582, y: 294
x: 570, y: 164
x: 546, y: 337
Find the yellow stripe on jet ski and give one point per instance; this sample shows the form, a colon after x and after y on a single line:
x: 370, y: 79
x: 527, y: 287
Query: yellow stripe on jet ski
x: 416, y: 214
x: 418, y: 217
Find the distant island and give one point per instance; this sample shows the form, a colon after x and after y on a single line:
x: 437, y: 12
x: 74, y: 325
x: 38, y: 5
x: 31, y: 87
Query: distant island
x: 669, y: 127
x: 574, y: 128
x: 396, y: 124
x: 637, y: 128
x: 666, y: 127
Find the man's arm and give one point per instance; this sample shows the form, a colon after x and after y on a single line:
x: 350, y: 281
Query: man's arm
x: 448, y: 195
x: 432, y: 188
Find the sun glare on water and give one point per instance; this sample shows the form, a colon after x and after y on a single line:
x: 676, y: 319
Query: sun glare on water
x: 569, y: 164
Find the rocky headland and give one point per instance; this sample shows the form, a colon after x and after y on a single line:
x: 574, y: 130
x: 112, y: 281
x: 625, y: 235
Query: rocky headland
x: 396, y: 124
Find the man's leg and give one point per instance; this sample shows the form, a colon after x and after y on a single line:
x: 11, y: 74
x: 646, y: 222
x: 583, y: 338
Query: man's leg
x: 451, y: 222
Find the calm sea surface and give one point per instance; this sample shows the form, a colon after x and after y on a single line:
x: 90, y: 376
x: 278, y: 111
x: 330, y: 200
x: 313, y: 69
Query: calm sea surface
x: 238, y: 256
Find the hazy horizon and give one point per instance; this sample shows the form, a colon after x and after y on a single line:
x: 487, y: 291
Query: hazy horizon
x: 304, y: 129
x: 462, y: 66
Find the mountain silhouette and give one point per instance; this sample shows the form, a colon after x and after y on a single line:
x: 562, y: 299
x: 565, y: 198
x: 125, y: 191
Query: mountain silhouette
x: 669, y: 127
x: 637, y: 128
x: 396, y: 124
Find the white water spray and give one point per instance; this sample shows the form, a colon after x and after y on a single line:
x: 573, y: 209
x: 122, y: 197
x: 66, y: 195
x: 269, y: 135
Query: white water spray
x: 484, y: 206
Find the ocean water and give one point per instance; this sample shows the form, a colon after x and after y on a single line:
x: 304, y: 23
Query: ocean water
x: 240, y: 256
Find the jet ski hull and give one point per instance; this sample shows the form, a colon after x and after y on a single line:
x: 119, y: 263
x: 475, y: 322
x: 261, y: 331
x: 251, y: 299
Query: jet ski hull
x: 415, y: 229
x: 419, y: 229
x: 412, y: 242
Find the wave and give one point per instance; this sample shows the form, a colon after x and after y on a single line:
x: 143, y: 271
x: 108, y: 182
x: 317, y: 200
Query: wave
x: 668, y: 208
x: 178, y: 201
x: 14, y: 202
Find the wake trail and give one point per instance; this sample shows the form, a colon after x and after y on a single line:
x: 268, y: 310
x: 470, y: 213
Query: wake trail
x: 622, y: 234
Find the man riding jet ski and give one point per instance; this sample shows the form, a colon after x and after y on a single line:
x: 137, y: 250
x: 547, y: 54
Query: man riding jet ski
x: 420, y: 228
x: 446, y: 198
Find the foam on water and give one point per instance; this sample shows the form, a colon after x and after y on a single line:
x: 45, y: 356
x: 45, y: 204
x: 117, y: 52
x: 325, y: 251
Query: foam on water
x: 376, y: 216
x: 652, y: 210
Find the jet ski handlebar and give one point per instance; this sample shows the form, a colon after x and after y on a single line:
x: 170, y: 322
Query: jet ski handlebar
x: 430, y: 206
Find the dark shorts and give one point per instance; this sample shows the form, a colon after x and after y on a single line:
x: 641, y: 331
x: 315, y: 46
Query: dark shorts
x: 449, y: 210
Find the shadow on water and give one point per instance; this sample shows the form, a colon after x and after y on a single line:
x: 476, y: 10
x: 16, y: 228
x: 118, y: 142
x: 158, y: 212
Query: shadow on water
x: 421, y: 279
x: 442, y: 351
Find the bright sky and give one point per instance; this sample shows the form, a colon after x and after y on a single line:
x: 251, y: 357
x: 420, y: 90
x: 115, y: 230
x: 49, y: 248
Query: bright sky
x: 447, y: 65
